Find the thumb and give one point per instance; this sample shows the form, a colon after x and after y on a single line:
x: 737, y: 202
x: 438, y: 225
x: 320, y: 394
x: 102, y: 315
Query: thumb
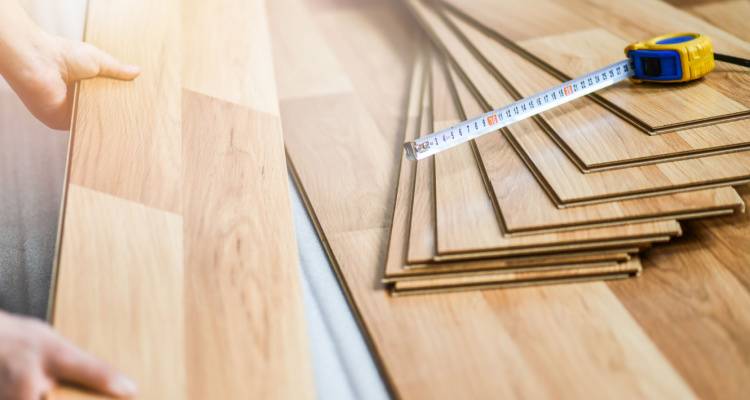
x: 66, y: 362
x: 88, y: 61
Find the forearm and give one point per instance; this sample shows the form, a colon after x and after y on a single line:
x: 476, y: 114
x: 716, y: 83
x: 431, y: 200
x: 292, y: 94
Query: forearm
x: 17, y: 34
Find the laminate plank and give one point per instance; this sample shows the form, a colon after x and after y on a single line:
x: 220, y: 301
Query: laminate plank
x: 629, y: 102
x: 422, y: 224
x: 377, y: 73
x: 593, y: 137
x: 211, y: 288
x: 246, y: 333
x: 728, y: 15
x: 134, y: 158
x: 119, y: 288
x: 567, y: 186
x: 538, y: 276
x: 504, y: 285
x: 225, y: 57
x: 240, y: 262
x: 406, y: 272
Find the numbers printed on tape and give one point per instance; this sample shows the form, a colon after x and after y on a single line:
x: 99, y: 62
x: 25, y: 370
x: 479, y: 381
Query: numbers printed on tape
x: 517, y: 111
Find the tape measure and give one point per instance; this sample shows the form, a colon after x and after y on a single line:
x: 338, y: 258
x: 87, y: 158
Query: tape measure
x: 679, y: 57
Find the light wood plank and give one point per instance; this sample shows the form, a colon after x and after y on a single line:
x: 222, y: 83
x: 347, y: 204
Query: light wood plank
x: 536, y: 276
x: 422, y: 225
x: 729, y: 15
x: 119, y: 289
x: 227, y: 60
x: 245, y: 331
x: 134, y: 158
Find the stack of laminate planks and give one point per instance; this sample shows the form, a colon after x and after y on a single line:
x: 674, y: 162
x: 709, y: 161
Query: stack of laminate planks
x: 574, y: 195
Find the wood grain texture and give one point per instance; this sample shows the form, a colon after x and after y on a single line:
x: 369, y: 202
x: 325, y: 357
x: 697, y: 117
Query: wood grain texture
x: 119, y: 289
x: 245, y: 324
x: 135, y: 158
x: 688, y: 302
x: 567, y: 186
x: 468, y: 345
x: 205, y: 294
x: 728, y: 15
x: 224, y: 54
x: 637, y: 22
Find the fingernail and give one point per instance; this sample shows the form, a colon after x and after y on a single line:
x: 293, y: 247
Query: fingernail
x: 133, y: 69
x: 123, y: 387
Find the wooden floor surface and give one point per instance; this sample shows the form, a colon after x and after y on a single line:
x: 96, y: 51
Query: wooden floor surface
x: 177, y: 260
x: 635, y: 338
x: 729, y: 15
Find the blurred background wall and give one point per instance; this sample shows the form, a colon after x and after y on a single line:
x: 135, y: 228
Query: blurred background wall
x: 32, y: 167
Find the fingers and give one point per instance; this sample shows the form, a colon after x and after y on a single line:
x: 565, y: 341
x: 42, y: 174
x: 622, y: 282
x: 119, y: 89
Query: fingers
x: 110, y: 67
x: 68, y: 363
x: 86, y: 61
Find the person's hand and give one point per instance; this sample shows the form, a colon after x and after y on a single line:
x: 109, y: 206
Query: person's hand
x: 34, y: 359
x: 42, y: 68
